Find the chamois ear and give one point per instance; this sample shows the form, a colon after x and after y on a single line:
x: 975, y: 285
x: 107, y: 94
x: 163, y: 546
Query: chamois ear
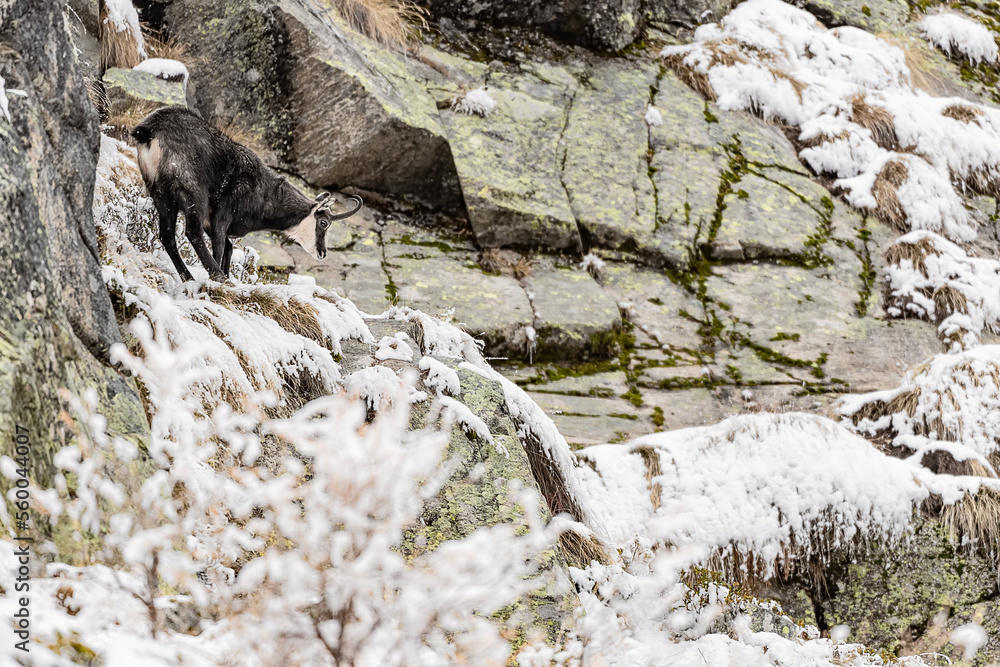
x: 323, y: 196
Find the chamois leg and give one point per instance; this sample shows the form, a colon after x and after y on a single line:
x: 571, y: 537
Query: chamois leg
x: 166, y: 207
x: 195, y: 216
x: 227, y: 255
x: 220, y: 238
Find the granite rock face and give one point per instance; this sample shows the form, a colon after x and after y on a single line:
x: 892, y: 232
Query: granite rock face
x: 57, y: 133
x: 57, y: 322
x: 318, y: 99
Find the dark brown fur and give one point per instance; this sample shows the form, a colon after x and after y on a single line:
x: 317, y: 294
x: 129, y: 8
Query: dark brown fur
x: 223, y: 189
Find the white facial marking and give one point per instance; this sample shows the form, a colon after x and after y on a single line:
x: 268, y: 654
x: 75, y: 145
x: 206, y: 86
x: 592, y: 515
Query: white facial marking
x: 304, y: 233
x: 149, y: 159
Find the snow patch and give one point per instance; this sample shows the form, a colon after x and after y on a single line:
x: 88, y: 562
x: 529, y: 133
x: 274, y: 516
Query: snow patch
x: 478, y: 101
x: 440, y: 378
x: 171, y: 70
x: 759, y: 490
x: 953, y: 33
x: 394, y: 347
x: 653, y: 116
x: 839, y: 86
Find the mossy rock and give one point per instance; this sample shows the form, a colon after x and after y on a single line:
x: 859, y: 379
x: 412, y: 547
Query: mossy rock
x: 509, y: 163
x: 128, y: 88
x: 909, y: 599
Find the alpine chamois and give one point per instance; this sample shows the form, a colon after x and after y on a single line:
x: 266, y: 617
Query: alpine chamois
x: 223, y: 189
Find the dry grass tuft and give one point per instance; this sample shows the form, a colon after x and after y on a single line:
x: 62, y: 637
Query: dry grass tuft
x: 890, y: 210
x: 976, y: 518
x: 521, y: 268
x: 906, y: 401
x: 651, y: 458
x: 505, y: 262
x: 918, y: 61
x: 942, y: 462
x: 876, y: 120
x: 962, y: 112
x: 797, y: 85
x: 491, y: 261
x: 695, y: 80
x: 119, y: 123
x: 168, y: 48
x: 239, y: 132
x: 916, y: 253
x: 549, y: 478
x: 983, y: 180
x: 118, y: 49
x: 580, y: 551
x: 726, y: 53
x: 97, y: 95
x: 821, y: 139
x: 389, y: 22
x: 294, y: 316
x: 948, y: 300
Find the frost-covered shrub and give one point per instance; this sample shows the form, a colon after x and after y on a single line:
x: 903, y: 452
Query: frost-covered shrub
x: 303, y: 567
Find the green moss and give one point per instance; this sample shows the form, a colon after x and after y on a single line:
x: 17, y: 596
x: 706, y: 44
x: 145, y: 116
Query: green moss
x: 867, y: 273
x: 658, y: 418
x: 709, y: 116
x: 440, y: 245
x: 633, y: 396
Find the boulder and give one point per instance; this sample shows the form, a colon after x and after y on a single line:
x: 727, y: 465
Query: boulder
x: 607, y: 25
x: 323, y: 101
x: 606, y: 174
x: 55, y: 128
x: 685, y: 14
x: 908, y: 600
x: 875, y: 16
x: 128, y: 88
x: 57, y: 322
x: 480, y: 491
x: 574, y: 317
x: 510, y: 162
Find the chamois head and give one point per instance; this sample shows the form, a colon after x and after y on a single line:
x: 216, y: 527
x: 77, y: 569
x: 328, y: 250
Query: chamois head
x: 311, y: 232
